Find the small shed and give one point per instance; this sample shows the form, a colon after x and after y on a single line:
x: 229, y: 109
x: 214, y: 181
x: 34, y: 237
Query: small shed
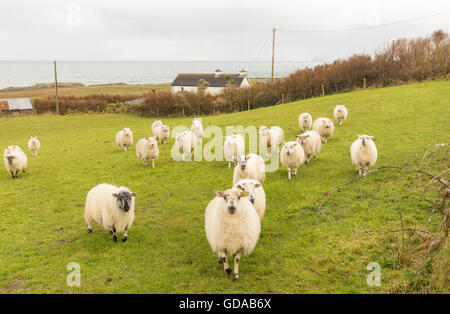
x: 20, y: 105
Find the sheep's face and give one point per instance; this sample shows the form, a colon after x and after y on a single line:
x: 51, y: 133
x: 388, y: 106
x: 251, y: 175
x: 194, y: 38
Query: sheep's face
x: 364, y: 139
x: 196, y: 124
x: 165, y: 129
x: 232, y: 199
x: 242, y: 161
x: 326, y: 123
x: 11, y: 149
x: 151, y: 142
x: 301, y: 139
x: 263, y: 130
x: 289, y: 148
x: 305, y: 119
x: 127, y: 131
x: 248, y: 189
x: 124, y: 199
x: 33, y: 139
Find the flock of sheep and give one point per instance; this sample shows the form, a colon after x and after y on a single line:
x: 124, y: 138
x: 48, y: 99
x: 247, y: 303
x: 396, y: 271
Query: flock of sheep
x: 233, y: 217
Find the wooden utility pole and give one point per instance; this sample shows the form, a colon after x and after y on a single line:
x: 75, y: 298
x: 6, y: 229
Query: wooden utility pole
x: 273, y: 52
x: 56, y: 88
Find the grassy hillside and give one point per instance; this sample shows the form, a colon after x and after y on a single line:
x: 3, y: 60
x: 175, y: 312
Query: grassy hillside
x: 69, y: 90
x: 303, y: 247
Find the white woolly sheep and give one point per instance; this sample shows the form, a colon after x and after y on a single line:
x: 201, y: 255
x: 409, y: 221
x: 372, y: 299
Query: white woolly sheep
x: 311, y: 144
x: 364, y: 153
x: 232, y: 226
x: 112, y: 207
x: 254, y: 190
x: 251, y: 166
x: 155, y: 124
x: 292, y: 156
x: 34, y: 145
x: 15, y: 160
x: 304, y: 121
x: 185, y: 144
x: 234, y: 146
x: 271, y: 139
x: 147, y: 148
x: 124, y: 138
x: 324, y: 127
x: 162, y: 133
x: 340, y: 113
x: 197, y: 129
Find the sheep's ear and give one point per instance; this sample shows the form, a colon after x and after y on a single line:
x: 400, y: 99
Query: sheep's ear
x: 115, y: 195
x: 294, y: 145
x: 221, y: 194
x: 133, y: 194
x: 359, y: 135
x: 247, y: 157
x: 307, y: 135
x: 240, y: 187
x: 257, y: 185
x: 298, y: 136
x: 372, y: 138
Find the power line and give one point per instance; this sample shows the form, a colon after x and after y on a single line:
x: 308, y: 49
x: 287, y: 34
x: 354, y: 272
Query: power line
x: 262, y: 47
x: 364, y: 27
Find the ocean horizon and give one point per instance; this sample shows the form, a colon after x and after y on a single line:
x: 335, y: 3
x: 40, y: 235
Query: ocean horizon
x: 25, y: 73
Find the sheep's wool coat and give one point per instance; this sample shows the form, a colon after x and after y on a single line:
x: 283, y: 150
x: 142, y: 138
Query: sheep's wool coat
x: 293, y: 160
x: 363, y: 155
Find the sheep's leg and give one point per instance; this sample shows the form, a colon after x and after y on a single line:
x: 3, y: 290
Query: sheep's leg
x: 307, y: 159
x: 145, y: 162
x: 224, y: 260
x: 365, y: 171
x: 125, y: 234
x: 326, y: 140
x: 113, y: 231
x: 153, y: 163
x: 17, y: 174
x: 229, y: 164
x: 289, y: 173
x: 12, y: 174
x: 237, y: 257
x: 89, y: 228
x: 359, y: 171
x: 295, y: 172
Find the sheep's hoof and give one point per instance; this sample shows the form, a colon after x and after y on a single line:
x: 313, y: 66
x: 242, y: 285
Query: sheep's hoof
x: 124, y: 239
x: 235, y: 277
x: 114, y: 238
x: 110, y: 231
x: 228, y: 270
x: 89, y: 230
x: 221, y: 260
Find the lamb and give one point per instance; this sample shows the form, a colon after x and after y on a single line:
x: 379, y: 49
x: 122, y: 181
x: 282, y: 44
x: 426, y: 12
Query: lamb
x: 364, y: 153
x: 340, y: 114
x: 324, y: 127
x: 156, y: 124
x: 34, y: 145
x: 147, y: 148
x: 112, y: 207
x: 251, y: 166
x: 311, y: 144
x: 304, y: 121
x: 124, y: 138
x: 15, y: 160
x: 232, y: 226
x: 271, y: 139
x: 162, y: 133
x: 254, y: 190
x: 185, y: 144
x: 292, y: 156
x: 197, y: 129
x: 234, y: 146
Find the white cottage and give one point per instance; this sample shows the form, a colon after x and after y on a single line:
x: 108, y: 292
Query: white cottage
x: 217, y: 82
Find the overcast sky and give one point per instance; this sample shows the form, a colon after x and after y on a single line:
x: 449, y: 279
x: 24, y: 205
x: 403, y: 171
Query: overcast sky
x: 206, y: 30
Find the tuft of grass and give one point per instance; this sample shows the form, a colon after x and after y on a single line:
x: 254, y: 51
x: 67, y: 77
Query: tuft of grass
x: 301, y: 250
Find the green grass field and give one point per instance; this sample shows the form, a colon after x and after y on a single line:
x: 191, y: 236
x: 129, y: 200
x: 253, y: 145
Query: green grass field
x: 302, y: 249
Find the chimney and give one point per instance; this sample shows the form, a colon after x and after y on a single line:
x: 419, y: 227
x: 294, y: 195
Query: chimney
x: 243, y: 73
x: 217, y: 72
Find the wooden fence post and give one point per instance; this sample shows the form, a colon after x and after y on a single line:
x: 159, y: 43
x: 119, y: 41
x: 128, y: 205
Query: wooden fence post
x: 364, y: 83
x: 323, y: 90
x: 248, y: 104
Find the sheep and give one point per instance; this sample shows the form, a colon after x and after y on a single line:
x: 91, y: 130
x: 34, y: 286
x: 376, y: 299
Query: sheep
x: 34, y: 145
x: 162, y: 133
x: 112, y: 207
x: 185, y: 144
x: 311, y: 144
x: 197, y: 129
x: 340, y: 114
x: 292, y: 156
x: 254, y: 190
x: 147, y: 148
x: 304, y: 121
x: 364, y: 153
x: 234, y: 146
x: 232, y: 226
x: 324, y: 127
x: 15, y: 160
x: 156, y: 124
x: 124, y: 138
x: 271, y: 139
x: 251, y: 166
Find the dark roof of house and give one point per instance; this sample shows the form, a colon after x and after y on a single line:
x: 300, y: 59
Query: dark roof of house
x: 212, y: 79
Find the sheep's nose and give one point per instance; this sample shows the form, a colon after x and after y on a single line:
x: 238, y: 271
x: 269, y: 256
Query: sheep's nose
x: 252, y: 200
x: 242, y: 166
x: 231, y: 209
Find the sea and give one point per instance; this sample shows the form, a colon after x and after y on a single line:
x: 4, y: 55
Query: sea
x: 26, y: 73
